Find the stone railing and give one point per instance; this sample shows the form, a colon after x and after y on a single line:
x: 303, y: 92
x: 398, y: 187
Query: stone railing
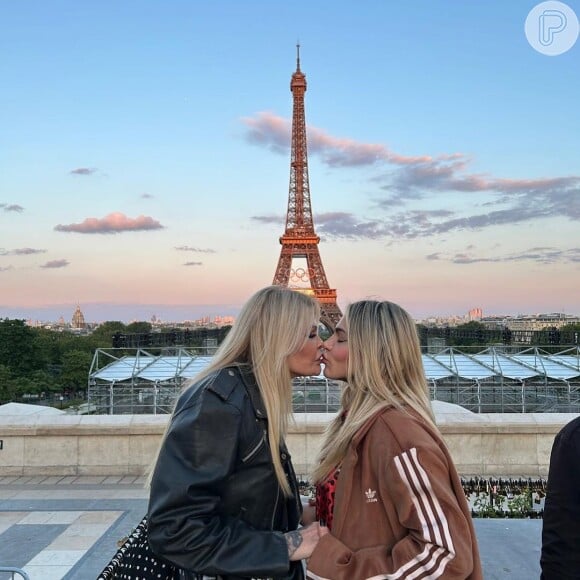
x: 505, y: 445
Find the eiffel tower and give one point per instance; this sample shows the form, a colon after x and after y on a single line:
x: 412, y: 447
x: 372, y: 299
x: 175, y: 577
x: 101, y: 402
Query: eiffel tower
x: 300, y: 242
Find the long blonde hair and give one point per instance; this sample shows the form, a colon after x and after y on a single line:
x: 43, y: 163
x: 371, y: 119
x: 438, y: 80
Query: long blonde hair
x: 384, y: 369
x: 273, y: 324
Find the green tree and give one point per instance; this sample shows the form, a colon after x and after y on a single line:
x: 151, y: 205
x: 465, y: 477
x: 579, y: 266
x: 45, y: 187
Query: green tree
x: 22, y: 386
x: 422, y: 333
x: 547, y: 338
x: 102, y: 336
x: 469, y: 334
x: 48, y: 342
x: 36, y: 360
x: 75, y: 369
x: 7, y: 385
x: 139, y: 327
x: 42, y: 381
x: 571, y: 333
x: 18, y: 349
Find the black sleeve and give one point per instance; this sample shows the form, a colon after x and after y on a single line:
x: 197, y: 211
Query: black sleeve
x: 186, y: 526
x: 560, y: 558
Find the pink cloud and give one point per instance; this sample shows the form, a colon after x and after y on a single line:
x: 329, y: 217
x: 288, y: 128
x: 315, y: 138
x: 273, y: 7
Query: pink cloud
x: 344, y: 152
x: 56, y: 264
x: 273, y: 131
x: 21, y: 252
x: 270, y: 219
x: 540, y: 255
x: 113, y: 223
x: 510, y: 201
x: 268, y: 129
x: 191, y: 249
x: 441, y: 172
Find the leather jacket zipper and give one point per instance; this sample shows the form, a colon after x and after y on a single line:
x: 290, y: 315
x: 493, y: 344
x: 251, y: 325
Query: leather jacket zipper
x: 255, y: 449
x: 275, y: 507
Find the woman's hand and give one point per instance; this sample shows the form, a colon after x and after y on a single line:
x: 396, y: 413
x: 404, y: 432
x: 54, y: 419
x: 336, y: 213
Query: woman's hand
x: 301, y: 542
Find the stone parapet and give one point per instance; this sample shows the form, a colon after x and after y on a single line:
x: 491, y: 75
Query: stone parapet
x: 503, y: 445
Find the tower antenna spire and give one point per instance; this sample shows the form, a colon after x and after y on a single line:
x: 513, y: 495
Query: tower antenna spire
x: 298, y: 56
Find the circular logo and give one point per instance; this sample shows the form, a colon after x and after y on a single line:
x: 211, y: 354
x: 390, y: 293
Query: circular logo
x: 551, y: 28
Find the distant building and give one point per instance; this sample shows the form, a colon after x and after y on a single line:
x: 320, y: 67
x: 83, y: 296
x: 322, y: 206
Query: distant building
x: 495, y: 321
x: 78, y: 319
x: 218, y: 321
x: 537, y: 322
x: 443, y: 321
x: 475, y: 314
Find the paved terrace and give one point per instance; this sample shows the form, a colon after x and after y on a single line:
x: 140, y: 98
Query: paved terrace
x: 67, y: 528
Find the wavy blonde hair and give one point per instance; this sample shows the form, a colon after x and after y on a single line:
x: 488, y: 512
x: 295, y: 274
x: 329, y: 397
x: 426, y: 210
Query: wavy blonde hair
x: 384, y: 369
x: 273, y: 324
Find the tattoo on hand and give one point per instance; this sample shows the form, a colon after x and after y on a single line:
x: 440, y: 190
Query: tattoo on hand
x: 293, y: 539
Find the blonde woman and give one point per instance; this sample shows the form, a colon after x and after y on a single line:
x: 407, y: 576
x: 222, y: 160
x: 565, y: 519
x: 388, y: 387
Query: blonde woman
x: 224, y: 501
x: 386, y: 484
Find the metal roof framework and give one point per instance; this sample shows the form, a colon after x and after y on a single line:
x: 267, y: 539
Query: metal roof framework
x: 147, y: 382
x: 506, y: 379
x: 496, y: 379
x: 141, y: 383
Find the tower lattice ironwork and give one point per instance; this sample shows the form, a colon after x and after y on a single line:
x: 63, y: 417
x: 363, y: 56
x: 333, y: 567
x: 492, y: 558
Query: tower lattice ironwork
x: 300, y: 241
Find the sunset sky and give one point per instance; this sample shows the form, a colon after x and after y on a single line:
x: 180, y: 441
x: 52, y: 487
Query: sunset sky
x: 144, y: 155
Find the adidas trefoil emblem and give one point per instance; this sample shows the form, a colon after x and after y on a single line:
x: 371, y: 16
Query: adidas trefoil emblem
x: 371, y: 495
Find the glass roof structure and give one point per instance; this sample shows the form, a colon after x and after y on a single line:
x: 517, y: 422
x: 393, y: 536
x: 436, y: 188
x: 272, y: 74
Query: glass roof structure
x: 153, y: 368
x: 494, y: 379
x: 491, y: 362
x: 449, y: 362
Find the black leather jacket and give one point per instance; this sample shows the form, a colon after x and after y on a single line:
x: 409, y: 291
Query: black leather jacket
x: 215, y: 505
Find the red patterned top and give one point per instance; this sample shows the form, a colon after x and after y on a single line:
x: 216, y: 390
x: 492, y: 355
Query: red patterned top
x: 325, y: 499
x: 325, y: 492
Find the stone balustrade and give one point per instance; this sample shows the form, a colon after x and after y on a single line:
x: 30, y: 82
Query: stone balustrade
x: 504, y: 445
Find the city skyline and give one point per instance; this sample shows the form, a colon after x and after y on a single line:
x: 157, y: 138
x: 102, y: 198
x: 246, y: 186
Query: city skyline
x: 56, y: 318
x: 145, y: 160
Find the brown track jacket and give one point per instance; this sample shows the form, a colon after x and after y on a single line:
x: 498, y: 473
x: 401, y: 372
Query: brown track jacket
x: 400, y: 511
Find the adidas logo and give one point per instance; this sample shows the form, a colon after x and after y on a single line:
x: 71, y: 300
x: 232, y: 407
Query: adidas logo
x: 371, y: 495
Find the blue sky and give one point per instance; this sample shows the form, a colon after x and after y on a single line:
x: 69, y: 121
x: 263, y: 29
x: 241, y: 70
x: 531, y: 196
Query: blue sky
x: 144, y: 155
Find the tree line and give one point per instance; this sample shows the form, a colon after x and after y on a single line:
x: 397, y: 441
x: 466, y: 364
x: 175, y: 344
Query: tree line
x: 38, y: 363
x: 476, y: 334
